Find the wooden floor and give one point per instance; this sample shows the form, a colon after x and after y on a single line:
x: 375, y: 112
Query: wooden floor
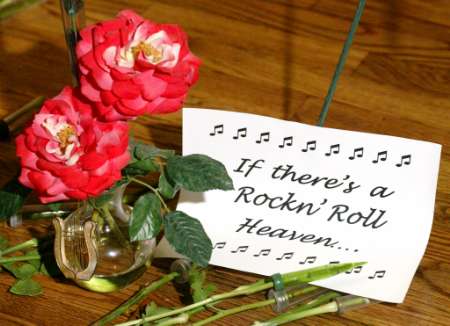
x: 267, y: 57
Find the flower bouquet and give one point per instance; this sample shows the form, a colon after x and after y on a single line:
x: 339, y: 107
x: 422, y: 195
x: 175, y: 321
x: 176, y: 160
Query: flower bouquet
x: 77, y: 147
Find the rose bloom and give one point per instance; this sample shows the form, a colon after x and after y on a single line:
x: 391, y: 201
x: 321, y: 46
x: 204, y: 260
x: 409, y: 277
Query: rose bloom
x: 130, y: 66
x: 66, y: 154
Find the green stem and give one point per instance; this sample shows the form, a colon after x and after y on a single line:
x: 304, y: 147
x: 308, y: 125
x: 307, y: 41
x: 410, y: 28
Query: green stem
x: 136, y: 299
x: 181, y: 319
x: 291, y: 316
x: 341, y: 62
x: 256, y: 305
x: 33, y: 243
x: 114, y: 227
x: 11, y: 7
x: 243, y: 290
x: 154, y: 190
x: 303, y: 276
x: 232, y: 311
x: 20, y: 258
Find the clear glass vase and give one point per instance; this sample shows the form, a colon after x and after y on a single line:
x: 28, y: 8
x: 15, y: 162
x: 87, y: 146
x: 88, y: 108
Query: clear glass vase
x: 93, y: 248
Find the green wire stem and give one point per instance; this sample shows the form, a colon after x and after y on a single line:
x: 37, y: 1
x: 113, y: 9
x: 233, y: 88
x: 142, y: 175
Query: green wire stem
x: 341, y: 63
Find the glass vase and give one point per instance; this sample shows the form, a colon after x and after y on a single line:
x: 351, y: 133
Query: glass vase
x: 93, y: 248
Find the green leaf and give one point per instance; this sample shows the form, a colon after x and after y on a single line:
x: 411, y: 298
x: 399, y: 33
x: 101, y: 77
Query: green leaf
x: 141, y: 151
x: 145, y: 221
x: 200, y: 291
x: 153, y: 309
x: 166, y: 188
x: 198, y: 173
x: 141, y: 167
x: 35, y: 262
x: 25, y: 271
x: 187, y: 236
x: 107, y: 195
x: 10, y: 267
x: 12, y: 197
x: 26, y: 287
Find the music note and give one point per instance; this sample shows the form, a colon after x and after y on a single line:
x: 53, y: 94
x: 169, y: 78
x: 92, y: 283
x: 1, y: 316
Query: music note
x: 219, y: 245
x: 378, y: 274
x: 287, y: 141
x: 309, y: 260
x: 355, y: 270
x: 217, y: 130
x: 241, y: 132
x: 405, y: 159
x: 240, y: 249
x: 334, y: 262
x: 358, y: 152
x: 381, y: 156
x: 286, y: 255
x: 265, y: 136
x: 334, y: 149
x: 264, y: 252
x: 311, y: 145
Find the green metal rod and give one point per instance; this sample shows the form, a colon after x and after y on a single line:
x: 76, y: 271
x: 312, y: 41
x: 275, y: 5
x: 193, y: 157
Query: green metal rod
x: 341, y: 63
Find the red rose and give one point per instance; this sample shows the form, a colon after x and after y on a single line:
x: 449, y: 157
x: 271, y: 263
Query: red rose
x: 65, y: 153
x: 130, y: 66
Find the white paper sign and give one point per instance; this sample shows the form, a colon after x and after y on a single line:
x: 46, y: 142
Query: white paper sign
x: 307, y: 196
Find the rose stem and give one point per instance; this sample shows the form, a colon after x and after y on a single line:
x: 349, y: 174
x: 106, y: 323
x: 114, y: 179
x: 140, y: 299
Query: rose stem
x: 136, y: 299
x: 11, y: 8
x: 33, y: 243
x: 259, y: 304
x: 291, y: 316
x: 20, y: 258
x: 114, y: 227
x: 155, y: 191
x: 303, y: 276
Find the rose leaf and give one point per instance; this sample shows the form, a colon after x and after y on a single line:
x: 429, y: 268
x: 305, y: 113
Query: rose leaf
x: 198, y: 173
x: 145, y: 222
x: 187, y: 237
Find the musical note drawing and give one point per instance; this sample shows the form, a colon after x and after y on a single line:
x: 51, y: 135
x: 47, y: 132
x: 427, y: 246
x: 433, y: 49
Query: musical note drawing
x: 358, y: 152
x: 381, y: 156
x: 286, y: 255
x: 310, y: 146
x: 265, y: 136
x: 217, y: 130
x: 334, y: 149
x: 405, y: 159
x: 334, y: 262
x: 241, y: 132
x: 378, y: 274
x: 264, y: 252
x: 219, y: 245
x: 240, y: 249
x: 287, y: 141
x: 308, y: 260
x: 355, y: 270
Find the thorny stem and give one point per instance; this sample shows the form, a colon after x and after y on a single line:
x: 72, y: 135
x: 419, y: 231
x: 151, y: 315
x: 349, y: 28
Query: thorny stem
x: 303, y: 276
x: 155, y: 191
x: 136, y: 299
x: 32, y: 243
x: 296, y: 315
x: 20, y: 258
x: 224, y: 313
x: 232, y: 311
x: 114, y: 227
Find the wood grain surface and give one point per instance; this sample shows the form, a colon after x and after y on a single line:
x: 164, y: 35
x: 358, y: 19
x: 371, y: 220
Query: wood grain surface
x: 274, y: 58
